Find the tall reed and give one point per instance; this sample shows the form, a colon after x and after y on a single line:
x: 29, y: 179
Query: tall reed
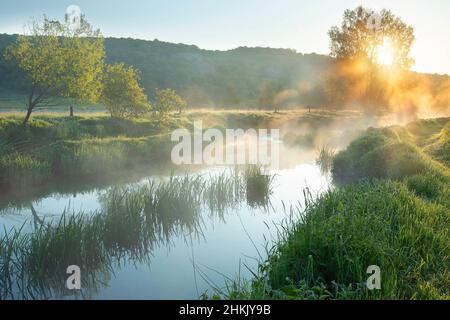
x: 132, y: 221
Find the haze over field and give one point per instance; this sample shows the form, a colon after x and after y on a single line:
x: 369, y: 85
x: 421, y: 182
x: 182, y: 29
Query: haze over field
x: 254, y: 78
x: 133, y: 168
x: 301, y: 25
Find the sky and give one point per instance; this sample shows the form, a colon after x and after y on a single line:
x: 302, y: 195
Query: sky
x: 226, y: 24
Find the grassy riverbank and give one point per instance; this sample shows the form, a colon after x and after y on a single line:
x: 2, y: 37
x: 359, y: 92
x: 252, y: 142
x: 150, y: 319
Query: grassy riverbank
x: 391, y: 209
x: 56, y: 147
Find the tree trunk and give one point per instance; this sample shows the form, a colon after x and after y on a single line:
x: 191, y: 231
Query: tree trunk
x: 71, y: 111
x: 27, y: 117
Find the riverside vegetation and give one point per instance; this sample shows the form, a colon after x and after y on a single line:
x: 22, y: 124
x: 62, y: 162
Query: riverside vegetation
x: 53, y: 147
x: 389, y: 205
x: 130, y: 224
x: 390, y: 208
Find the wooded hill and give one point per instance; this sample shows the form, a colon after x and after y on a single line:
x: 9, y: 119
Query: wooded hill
x: 242, y: 77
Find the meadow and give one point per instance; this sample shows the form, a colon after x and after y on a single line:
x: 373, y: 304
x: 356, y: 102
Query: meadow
x: 390, y: 208
x: 54, y: 146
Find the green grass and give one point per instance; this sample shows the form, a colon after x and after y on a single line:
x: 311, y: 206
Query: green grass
x: 258, y: 186
x: 130, y: 224
x: 15, y: 101
x: 326, y: 254
x: 325, y: 159
x: 54, y: 147
x: 395, y: 153
x: 223, y: 192
x: 438, y: 146
x: 391, y: 209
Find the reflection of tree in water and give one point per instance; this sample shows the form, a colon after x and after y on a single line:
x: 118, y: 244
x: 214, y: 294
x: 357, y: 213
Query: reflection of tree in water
x: 133, y: 221
x: 325, y: 160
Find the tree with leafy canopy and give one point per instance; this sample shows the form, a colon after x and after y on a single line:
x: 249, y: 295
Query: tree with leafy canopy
x: 166, y: 101
x: 122, y: 95
x: 59, y: 60
x: 364, y: 31
x: 357, y: 45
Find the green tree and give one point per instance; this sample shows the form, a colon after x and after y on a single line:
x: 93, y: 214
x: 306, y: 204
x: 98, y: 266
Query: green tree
x: 166, y: 101
x: 59, y: 60
x: 122, y: 94
x: 364, y: 31
x: 364, y: 38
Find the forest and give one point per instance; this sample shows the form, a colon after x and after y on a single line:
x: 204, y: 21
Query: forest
x: 249, y: 78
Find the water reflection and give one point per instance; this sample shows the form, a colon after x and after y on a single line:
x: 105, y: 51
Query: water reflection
x: 130, y: 224
x: 324, y: 160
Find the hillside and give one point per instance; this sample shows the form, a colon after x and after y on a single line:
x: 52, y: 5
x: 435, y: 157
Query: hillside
x: 241, y: 78
x: 205, y: 78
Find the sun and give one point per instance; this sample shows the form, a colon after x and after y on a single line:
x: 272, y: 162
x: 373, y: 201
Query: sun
x: 385, y: 52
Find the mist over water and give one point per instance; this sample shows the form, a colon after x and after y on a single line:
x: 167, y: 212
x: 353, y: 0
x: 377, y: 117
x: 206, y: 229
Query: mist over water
x: 189, y: 259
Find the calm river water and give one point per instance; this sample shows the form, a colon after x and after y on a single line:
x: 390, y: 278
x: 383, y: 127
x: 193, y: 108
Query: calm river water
x: 185, y: 266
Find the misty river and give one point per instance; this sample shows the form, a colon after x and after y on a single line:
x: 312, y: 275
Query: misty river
x: 190, y: 258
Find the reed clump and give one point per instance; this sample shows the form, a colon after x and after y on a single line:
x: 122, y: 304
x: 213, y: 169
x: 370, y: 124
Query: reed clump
x: 132, y: 221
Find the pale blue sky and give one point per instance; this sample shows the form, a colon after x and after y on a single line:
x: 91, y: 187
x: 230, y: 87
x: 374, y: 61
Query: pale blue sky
x: 226, y: 24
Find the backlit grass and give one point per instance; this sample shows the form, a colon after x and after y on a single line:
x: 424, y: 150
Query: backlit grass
x: 391, y: 209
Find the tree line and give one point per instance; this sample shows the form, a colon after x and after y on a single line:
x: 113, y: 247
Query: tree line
x: 261, y: 78
x: 58, y: 59
x: 240, y: 78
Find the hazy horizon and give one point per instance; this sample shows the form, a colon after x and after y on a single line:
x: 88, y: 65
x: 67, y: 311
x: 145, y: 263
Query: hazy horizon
x: 223, y: 26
